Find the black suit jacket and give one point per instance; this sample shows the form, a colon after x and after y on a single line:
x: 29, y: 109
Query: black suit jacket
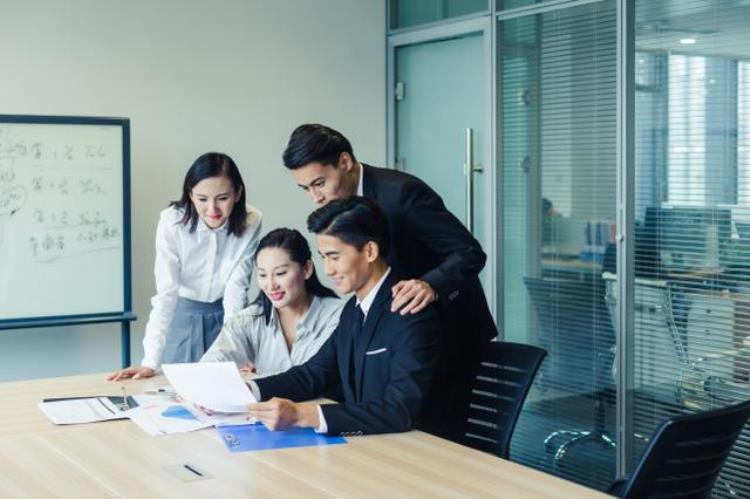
x: 428, y: 242
x: 394, y: 362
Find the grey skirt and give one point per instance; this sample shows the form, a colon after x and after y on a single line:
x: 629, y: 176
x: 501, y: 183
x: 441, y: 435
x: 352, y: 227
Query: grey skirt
x: 194, y: 327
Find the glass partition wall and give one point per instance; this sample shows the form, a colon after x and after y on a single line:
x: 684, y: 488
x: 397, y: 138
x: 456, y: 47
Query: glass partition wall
x: 692, y: 215
x: 555, y: 168
x: 556, y: 127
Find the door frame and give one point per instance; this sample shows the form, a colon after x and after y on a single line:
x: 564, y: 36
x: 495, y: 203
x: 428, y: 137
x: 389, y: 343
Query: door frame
x: 484, y: 26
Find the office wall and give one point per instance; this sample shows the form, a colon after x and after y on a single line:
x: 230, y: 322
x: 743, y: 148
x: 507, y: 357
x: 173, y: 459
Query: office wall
x: 233, y: 75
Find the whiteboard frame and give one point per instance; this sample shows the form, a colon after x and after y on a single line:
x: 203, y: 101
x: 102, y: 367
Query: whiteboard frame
x: 123, y: 316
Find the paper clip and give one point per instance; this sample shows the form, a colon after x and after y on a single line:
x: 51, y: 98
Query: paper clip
x: 231, y: 439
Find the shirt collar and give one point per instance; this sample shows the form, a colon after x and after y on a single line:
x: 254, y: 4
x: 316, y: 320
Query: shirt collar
x: 202, y: 227
x: 360, y: 188
x: 302, y: 326
x: 367, y: 301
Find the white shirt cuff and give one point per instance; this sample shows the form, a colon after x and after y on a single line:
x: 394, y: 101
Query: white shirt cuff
x: 322, y: 425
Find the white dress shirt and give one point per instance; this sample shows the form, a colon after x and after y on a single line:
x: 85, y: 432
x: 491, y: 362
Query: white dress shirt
x: 204, y: 265
x: 247, y: 337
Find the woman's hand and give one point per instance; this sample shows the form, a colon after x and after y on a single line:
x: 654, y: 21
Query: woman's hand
x: 248, y: 368
x: 135, y: 372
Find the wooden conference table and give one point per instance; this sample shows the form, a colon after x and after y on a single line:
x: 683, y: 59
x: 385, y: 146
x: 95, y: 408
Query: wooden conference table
x: 117, y: 459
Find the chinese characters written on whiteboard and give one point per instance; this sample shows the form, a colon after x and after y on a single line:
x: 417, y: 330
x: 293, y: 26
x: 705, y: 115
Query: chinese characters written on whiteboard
x: 59, y: 193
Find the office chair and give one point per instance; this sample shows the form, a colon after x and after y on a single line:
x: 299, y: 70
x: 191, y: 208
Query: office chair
x: 575, y: 323
x: 502, y: 380
x: 685, y: 455
x: 695, y: 386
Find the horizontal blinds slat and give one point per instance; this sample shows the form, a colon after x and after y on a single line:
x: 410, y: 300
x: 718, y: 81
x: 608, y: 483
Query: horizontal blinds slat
x: 693, y: 211
x: 565, y: 62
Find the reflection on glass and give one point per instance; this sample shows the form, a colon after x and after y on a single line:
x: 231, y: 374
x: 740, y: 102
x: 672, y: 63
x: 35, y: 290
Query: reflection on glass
x: 512, y: 4
x: 692, y: 187
x: 407, y: 13
x: 557, y: 154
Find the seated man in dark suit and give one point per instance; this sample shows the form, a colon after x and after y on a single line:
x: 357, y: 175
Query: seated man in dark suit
x: 382, y: 361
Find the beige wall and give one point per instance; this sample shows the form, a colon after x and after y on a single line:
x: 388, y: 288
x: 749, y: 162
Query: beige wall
x: 232, y: 75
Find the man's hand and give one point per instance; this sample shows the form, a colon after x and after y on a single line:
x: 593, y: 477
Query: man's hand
x: 135, y: 372
x: 413, y: 295
x: 278, y: 414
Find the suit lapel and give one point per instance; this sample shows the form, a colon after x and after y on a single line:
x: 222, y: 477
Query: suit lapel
x: 368, y: 330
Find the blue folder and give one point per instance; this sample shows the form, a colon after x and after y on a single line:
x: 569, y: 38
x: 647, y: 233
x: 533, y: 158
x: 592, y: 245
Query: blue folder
x: 240, y: 438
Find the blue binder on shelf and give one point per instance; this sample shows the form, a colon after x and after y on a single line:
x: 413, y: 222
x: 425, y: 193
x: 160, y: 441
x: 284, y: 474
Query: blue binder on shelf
x: 249, y: 437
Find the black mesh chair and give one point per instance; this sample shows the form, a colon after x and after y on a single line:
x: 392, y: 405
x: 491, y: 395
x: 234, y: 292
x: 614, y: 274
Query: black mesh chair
x: 575, y: 326
x: 502, y: 380
x: 685, y: 455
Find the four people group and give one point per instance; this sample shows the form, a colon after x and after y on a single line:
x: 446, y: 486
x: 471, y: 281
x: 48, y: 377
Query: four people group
x: 399, y: 354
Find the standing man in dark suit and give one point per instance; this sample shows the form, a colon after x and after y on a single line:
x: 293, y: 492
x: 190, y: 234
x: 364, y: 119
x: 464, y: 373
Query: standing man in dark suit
x: 432, y: 254
x: 383, y: 362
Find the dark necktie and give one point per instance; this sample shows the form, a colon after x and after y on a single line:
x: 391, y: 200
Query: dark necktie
x: 359, y: 318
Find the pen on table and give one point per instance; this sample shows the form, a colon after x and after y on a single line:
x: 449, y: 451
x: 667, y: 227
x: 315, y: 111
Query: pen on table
x: 190, y: 468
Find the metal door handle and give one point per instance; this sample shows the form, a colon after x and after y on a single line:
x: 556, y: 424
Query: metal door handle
x: 469, y: 170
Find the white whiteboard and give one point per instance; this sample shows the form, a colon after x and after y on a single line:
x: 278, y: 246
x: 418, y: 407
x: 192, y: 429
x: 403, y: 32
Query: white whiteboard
x: 63, y: 239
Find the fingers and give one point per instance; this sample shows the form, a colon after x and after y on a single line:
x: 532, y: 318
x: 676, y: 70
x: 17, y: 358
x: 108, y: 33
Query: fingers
x: 248, y: 368
x: 121, y: 374
x: 143, y: 372
x: 418, y: 303
x: 397, y: 287
x: 412, y: 296
x: 135, y: 372
x: 270, y: 413
x: 260, y: 407
x: 405, y: 293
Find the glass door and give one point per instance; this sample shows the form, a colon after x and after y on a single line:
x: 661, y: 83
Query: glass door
x: 441, y: 110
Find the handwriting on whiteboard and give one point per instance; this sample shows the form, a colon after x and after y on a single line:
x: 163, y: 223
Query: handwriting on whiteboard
x: 53, y: 190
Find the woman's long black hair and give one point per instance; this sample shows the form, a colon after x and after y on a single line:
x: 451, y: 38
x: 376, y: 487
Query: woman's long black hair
x: 296, y: 246
x: 213, y: 164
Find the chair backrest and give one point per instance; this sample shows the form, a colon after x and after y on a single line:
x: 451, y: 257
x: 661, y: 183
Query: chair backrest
x: 687, y: 453
x: 502, y: 380
x: 576, y: 328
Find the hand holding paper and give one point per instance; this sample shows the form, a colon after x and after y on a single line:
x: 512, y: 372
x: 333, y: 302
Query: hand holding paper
x: 217, y: 386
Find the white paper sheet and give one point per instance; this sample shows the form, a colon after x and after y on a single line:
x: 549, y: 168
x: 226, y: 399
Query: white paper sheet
x: 217, y: 386
x: 76, y: 411
x: 158, y: 415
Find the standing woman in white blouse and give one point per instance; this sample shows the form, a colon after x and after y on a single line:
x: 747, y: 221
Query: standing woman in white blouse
x: 205, y: 244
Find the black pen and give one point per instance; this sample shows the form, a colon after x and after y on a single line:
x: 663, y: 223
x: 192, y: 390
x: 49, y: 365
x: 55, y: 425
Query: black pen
x: 193, y: 469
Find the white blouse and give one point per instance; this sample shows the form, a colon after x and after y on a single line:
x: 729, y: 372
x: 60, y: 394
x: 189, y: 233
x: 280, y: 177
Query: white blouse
x: 204, y: 265
x: 247, y: 337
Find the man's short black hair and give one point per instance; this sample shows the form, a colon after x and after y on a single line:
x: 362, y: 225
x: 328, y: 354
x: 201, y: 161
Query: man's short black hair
x: 355, y: 221
x: 315, y: 143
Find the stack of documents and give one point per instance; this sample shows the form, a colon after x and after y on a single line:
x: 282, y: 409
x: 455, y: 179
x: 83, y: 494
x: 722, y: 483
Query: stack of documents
x: 215, y: 386
x: 162, y: 415
x: 84, y: 409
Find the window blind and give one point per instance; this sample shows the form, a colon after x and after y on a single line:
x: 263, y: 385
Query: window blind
x: 692, y: 306
x: 557, y: 123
